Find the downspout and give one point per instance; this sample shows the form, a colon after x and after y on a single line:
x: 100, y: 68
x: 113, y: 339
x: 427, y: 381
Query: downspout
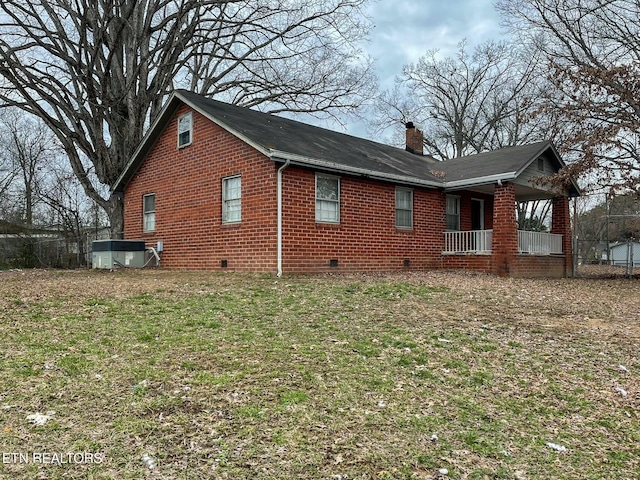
x: 280, y: 170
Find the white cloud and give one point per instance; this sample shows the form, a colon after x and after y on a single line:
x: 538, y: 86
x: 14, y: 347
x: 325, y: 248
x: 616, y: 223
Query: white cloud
x: 405, y: 30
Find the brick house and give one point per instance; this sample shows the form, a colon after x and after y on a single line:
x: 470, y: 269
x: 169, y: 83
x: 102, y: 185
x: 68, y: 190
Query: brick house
x: 226, y: 187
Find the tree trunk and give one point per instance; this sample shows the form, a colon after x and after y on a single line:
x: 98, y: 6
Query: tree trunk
x: 116, y: 215
x: 28, y: 197
x: 98, y: 76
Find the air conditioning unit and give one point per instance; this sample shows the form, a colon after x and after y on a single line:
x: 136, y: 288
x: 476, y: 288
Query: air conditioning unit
x: 118, y: 253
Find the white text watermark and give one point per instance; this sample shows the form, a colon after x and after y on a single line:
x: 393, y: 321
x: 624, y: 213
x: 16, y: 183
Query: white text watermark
x: 52, y: 458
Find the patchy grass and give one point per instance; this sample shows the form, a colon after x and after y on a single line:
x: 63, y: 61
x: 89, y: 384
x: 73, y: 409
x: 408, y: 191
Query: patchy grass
x: 184, y: 375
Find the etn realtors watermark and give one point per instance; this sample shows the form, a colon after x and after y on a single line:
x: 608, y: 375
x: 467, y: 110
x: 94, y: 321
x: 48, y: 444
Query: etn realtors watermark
x: 52, y: 458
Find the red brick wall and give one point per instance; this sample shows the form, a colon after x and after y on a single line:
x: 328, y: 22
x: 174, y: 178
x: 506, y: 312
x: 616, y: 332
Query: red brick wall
x: 480, y: 263
x: 366, y: 237
x: 505, y: 231
x: 187, y: 183
x: 530, y: 266
x: 561, y: 224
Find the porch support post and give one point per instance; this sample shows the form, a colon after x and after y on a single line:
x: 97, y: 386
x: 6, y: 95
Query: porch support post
x: 504, y: 246
x: 561, y: 224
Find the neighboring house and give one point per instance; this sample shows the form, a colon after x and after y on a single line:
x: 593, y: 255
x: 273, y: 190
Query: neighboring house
x: 50, y: 245
x: 20, y: 244
x: 624, y: 253
x: 226, y: 187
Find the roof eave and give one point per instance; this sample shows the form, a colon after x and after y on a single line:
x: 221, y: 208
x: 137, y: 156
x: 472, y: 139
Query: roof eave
x: 543, y: 148
x: 304, y: 161
x: 572, y: 192
x: 149, y: 139
x: 479, y: 181
x: 156, y: 130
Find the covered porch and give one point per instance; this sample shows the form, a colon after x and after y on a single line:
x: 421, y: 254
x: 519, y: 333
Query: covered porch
x: 488, y: 239
x: 482, y: 233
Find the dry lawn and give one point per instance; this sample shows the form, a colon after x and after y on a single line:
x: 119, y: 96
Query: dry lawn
x: 186, y: 375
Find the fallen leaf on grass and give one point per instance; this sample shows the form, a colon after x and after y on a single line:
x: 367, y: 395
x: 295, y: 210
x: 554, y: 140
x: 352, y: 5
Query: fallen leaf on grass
x: 40, y: 419
x: 556, y: 447
x: 149, y: 461
x: 621, y: 391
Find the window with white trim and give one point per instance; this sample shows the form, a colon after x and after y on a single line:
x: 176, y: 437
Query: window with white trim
x: 149, y: 212
x: 404, y: 207
x: 232, y: 199
x: 453, y: 212
x: 185, y: 130
x: 327, y: 199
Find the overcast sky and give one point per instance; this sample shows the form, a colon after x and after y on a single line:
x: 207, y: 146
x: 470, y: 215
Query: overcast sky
x: 406, y: 29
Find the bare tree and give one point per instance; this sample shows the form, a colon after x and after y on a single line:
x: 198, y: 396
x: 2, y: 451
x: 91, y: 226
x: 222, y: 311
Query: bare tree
x: 71, y: 211
x: 29, y: 146
x: 8, y: 172
x: 98, y: 71
x: 532, y: 215
x: 591, y: 49
x: 468, y: 103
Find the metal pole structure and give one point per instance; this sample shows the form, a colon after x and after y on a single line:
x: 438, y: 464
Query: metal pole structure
x: 630, y: 258
x: 574, y: 263
x: 606, y: 202
x: 574, y: 266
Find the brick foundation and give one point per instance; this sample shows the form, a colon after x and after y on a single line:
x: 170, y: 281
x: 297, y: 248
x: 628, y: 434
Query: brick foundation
x: 532, y: 266
x: 478, y: 263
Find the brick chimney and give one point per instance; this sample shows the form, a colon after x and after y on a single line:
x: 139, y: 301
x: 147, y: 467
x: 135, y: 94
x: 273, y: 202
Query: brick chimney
x: 414, y: 139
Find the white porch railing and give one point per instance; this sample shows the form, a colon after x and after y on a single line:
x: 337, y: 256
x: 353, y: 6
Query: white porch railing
x: 479, y: 241
x: 539, y: 242
x: 472, y: 241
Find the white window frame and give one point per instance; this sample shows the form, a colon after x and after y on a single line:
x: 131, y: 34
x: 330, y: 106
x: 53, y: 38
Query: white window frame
x: 410, y: 209
x: 228, y: 203
x: 321, y: 217
x: 148, y: 216
x: 183, y: 127
x: 453, y: 203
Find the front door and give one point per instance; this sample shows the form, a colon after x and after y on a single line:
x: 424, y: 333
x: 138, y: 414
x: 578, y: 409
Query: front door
x: 477, y: 223
x: 477, y: 214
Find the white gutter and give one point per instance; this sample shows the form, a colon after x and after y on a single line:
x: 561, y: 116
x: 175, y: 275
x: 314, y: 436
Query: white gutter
x: 475, y: 182
x: 279, y: 274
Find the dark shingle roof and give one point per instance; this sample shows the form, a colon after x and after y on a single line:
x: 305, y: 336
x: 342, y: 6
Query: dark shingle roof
x: 497, y: 162
x: 293, y: 137
x: 284, y: 139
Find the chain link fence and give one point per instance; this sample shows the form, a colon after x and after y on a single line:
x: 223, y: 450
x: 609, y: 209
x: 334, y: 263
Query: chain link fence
x: 50, y: 250
x: 595, y: 258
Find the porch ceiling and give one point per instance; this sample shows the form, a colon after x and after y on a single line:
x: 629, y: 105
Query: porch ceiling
x: 523, y: 192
